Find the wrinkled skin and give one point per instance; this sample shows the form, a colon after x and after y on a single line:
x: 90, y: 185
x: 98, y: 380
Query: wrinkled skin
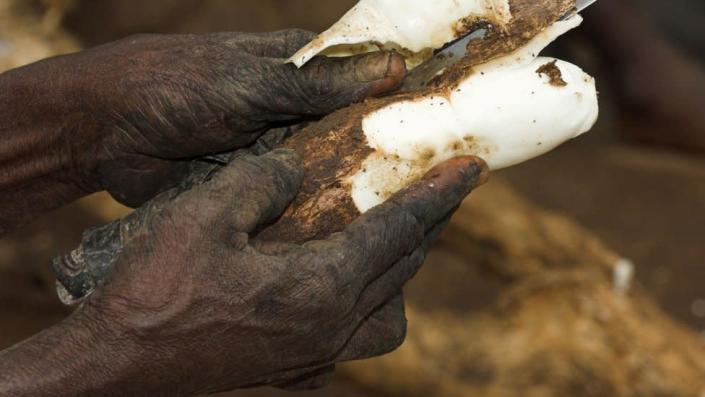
x: 194, y: 305
x: 127, y: 117
x: 302, y: 307
x: 187, y: 96
x: 198, y: 307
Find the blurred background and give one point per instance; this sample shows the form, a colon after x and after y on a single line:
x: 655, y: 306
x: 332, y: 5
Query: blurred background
x: 636, y: 183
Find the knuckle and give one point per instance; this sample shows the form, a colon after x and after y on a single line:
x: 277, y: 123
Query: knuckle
x: 189, y: 219
x: 400, y: 226
x: 393, y: 213
x: 284, y: 170
x: 320, y: 83
x: 409, y: 218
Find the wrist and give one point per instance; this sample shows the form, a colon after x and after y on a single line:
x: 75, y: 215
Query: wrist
x: 78, y: 357
x: 137, y: 364
x: 47, y: 133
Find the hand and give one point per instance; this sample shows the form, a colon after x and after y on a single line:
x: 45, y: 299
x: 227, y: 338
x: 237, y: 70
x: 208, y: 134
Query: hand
x: 128, y: 116
x: 196, y: 305
x: 157, y: 100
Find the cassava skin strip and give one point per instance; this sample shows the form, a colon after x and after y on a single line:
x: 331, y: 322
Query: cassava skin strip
x: 413, y: 27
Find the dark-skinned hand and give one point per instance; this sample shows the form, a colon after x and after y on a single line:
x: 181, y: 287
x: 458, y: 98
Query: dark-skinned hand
x: 198, y: 306
x: 150, y: 102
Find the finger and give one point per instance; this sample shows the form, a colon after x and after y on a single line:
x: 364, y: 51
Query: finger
x: 314, y: 380
x: 383, y: 332
x: 378, y: 239
x: 393, y: 281
x: 435, y: 233
x: 327, y: 84
x: 442, y: 189
x: 259, y: 188
x: 279, y: 44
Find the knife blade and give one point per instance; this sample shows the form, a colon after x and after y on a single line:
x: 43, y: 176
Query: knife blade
x: 453, y: 52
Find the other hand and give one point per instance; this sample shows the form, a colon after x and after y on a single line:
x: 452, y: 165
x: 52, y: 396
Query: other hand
x: 199, y: 306
x: 149, y: 103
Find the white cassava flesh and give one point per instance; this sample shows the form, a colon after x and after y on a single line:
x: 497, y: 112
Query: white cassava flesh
x: 412, y: 26
x: 501, y: 102
x: 504, y: 112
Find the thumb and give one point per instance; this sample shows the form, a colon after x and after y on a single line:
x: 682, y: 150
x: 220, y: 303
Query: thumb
x: 327, y: 84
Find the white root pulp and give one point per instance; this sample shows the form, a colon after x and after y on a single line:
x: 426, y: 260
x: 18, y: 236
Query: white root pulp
x: 504, y: 112
x: 414, y: 27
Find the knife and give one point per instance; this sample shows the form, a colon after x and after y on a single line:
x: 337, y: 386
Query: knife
x: 455, y: 51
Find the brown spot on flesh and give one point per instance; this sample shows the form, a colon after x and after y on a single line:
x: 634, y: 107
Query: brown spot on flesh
x: 554, y: 74
x: 427, y: 154
x: 456, y: 146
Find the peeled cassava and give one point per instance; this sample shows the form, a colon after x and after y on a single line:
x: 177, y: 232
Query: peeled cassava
x: 502, y: 103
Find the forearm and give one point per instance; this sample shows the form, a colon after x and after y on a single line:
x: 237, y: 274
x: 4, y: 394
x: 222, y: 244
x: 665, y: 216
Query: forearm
x: 78, y: 358
x: 39, y: 120
x: 65, y: 360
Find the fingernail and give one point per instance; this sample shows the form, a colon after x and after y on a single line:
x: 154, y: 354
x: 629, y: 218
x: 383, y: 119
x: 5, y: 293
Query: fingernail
x: 385, y: 70
x: 466, y: 171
